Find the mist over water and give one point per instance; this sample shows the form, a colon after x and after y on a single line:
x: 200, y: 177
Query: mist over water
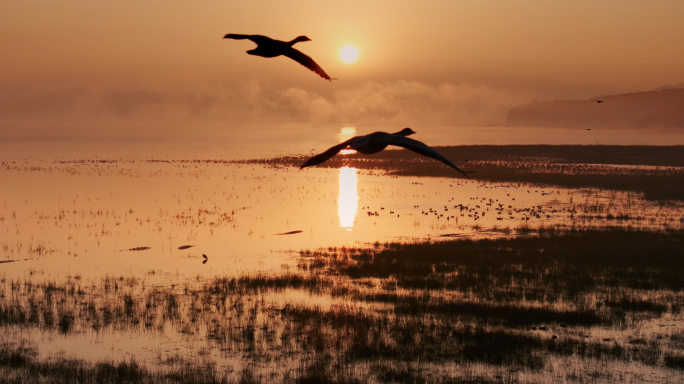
x: 234, y: 142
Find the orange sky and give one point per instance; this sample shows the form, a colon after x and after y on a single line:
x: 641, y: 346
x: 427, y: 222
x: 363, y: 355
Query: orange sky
x: 467, y: 62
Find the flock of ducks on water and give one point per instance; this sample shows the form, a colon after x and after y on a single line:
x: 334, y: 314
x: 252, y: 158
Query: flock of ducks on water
x: 476, y: 211
x: 368, y: 144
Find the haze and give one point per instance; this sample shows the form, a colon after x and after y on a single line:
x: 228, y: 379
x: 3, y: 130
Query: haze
x: 431, y: 63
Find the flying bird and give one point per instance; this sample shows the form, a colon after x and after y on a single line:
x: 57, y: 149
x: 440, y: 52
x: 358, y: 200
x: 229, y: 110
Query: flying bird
x: 599, y: 101
x: 267, y: 47
x: 376, y: 142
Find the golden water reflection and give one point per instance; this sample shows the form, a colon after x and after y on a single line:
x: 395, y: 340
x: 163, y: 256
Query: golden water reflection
x: 348, y: 200
x: 346, y: 133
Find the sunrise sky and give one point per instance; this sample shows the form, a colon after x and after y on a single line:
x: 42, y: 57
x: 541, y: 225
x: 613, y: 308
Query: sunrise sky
x: 429, y: 62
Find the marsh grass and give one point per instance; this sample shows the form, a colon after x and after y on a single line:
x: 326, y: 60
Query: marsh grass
x: 395, y: 309
x: 655, y: 171
x: 21, y: 364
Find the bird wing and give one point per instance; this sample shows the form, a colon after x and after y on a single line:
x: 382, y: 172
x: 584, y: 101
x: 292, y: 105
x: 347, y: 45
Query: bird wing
x: 236, y: 36
x: 307, y: 62
x: 420, y: 148
x: 258, y: 39
x: 327, y: 154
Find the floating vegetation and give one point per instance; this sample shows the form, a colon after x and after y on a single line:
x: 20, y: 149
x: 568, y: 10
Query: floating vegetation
x: 11, y: 261
x: 139, y: 249
x: 289, y: 233
x: 657, y: 171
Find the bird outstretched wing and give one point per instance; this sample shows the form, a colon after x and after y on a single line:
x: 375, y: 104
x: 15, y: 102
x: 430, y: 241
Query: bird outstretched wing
x: 327, y: 154
x: 422, y: 149
x: 236, y: 36
x: 307, y: 62
x: 257, y: 39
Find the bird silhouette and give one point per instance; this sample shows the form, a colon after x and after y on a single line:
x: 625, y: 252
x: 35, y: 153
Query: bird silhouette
x: 376, y: 142
x: 267, y: 47
x: 599, y: 101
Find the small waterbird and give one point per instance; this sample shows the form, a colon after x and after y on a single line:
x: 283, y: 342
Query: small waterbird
x: 267, y: 47
x: 376, y: 142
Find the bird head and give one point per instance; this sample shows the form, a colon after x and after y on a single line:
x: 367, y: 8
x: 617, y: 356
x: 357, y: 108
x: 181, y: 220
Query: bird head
x: 406, y: 132
x: 300, y: 39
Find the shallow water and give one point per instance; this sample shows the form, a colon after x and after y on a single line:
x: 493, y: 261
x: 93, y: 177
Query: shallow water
x: 81, y: 219
x: 100, y: 217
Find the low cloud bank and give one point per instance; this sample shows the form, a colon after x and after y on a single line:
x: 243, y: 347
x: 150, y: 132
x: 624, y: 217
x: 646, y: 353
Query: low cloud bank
x: 661, y: 108
x: 397, y: 103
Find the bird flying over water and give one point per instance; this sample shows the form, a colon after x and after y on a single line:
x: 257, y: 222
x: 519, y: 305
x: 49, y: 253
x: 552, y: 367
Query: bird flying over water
x: 267, y: 47
x: 376, y: 142
x: 599, y: 101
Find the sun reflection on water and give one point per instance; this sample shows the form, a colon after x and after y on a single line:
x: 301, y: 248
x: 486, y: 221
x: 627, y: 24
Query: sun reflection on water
x: 346, y: 133
x: 348, y: 201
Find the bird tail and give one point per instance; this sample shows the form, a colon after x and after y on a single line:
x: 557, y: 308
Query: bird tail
x: 464, y: 173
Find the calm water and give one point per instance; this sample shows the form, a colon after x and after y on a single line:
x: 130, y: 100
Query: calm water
x: 231, y: 142
x: 98, y: 217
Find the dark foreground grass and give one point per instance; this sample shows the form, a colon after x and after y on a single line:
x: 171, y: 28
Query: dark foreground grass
x: 20, y: 364
x: 570, y: 261
x: 401, y: 309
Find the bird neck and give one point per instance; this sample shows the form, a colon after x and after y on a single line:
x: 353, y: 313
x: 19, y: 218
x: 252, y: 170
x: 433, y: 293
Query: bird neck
x: 297, y: 40
x: 404, y: 132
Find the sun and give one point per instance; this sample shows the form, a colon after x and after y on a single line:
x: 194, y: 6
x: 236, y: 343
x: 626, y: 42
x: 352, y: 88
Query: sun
x: 349, y: 53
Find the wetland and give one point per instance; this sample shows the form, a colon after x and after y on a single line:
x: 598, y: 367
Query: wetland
x: 548, y: 264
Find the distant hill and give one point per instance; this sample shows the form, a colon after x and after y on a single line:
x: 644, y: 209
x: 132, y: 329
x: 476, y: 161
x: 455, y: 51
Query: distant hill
x: 680, y: 85
x: 660, y: 108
